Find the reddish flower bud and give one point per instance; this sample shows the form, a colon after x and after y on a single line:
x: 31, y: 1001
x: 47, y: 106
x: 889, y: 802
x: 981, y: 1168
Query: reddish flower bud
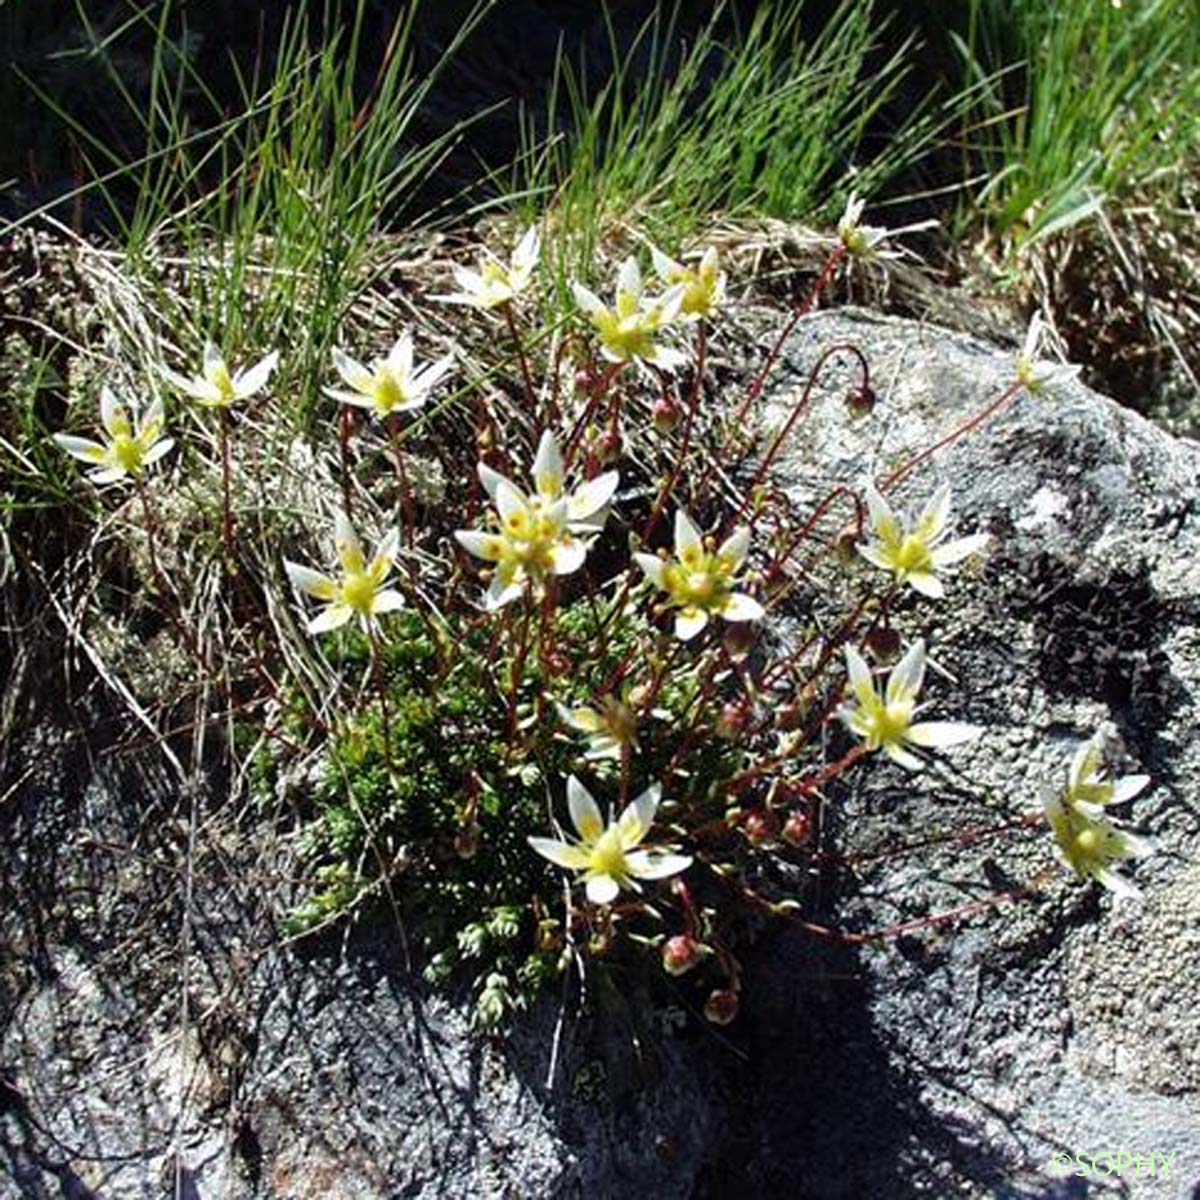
x: 845, y: 545
x: 861, y: 400
x: 664, y: 415
x: 721, y: 1007
x: 884, y: 644
x: 610, y: 447
x: 760, y: 827
x: 797, y: 829
x: 681, y: 953
x: 739, y: 638
x: 733, y: 719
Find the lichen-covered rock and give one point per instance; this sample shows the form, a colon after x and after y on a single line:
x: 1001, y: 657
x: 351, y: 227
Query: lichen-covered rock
x: 961, y: 1059
x: 955, y: 1060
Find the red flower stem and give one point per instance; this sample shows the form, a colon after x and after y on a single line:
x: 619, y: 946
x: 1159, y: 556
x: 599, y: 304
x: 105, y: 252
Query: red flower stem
x: 823, y: 280
x: 393, y: 429
x: 904, y: 471
x: 594, y: 397
x: 686, y: 441
x: 345, y: 431
x: 530, y: 391
x: 799, y: 409
x: 226, y: 489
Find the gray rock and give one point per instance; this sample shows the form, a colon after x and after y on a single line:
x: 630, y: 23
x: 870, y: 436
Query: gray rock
x: 960, y: 1060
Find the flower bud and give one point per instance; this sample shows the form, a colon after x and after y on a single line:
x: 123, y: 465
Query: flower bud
x: 797, y: 829
x: 861, y: 400
x: 760, y: 827
x: 733, y: 719
x: 681, y: 953
x: 664, y: 415
x: 721, y: 1007
x: 610, y: 447
x: 739, y: 638
x: 845, y: 545
x: 884, y: 643
x: 466, y: 843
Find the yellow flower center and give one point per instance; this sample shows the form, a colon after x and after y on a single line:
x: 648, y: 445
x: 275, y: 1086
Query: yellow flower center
x: 127, y: 452
x: 608, y: 855
x: 1088, y: 843
x: 888, y: 723
x: 912, y: 555
x: 220, y: 378
x: 358, y: 591
x: 389, y: 391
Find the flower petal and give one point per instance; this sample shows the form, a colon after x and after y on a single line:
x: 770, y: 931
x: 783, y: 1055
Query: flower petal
x: 635, y: 821
x: 248, y: 382
x: 938, y: 734
x: 898, y: 754
x: 567, y: 556
x: 353, y: 374
x: 548, y: 468
x: 585, y: 815
x: 908, y: 674
x: 689, y: 622
x: 957, y: 550
x: 587, y: 301
x: 602, y: 889
x: 926, y: 583
x: 400, y: 356
x: 346, y: 544
x: 562, y: 854
x: 1129, y: 786
x: 740, y: 607
x: 653, y: 568
x: 483, y: 545
x: 386, y: 601
x: 735, y: 547
x: 114, y: 415
x: 310, y: 582
x: 932, y: 521
x: 81, y: 448
x: 589, y: 498
x: 333, y: 617
x: 160, y: 449
x: 492, y: 479
x: 656, y: 864
x: 883, y: 520
x: 686, y: 533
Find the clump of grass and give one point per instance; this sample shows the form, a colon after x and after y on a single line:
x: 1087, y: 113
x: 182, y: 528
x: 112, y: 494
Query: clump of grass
x: 1075, y: 106
x: 763, y: 119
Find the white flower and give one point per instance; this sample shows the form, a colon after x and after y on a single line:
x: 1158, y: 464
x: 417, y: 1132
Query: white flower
x: 1034, y: 374
x: 607, y: 854
x: 699, y: 581
x: 494, y: 283
x: 1088, y: 788
x: 629, y: 330
x: 391, y: 385
x: 703, y: 285
x: 215, y: 387
x: 611, y: 728
x: 866, y: 241
x: 537, y: 535
x: 914, y: 554
x: 587, y: 505
x: 884, y: 719
x: 1089, y: 845
x: 359, y: 590
x: 129, y: 448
